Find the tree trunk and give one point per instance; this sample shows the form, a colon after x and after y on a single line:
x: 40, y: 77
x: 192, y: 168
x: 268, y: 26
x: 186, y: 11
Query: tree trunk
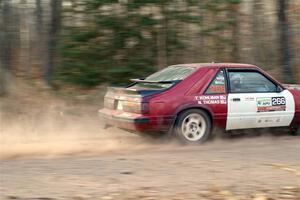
x: 40, y: 28
x: 39, y: 17
x: 6, y: 47
x: 257, y: 29
x: 234, y: 10
x: 51, y: 41
x: 162, y: 55
x: 284, y: 41
x: 25, y: 45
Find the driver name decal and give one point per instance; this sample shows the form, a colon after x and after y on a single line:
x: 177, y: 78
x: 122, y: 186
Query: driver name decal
x: 211, y: 99
x: 268, y: 104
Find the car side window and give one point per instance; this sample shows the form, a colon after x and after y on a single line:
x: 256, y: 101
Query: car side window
x: 217, y: 86
x: 250, y: 82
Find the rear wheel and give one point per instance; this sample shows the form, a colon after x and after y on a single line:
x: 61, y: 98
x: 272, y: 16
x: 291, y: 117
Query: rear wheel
x: 193, y: 126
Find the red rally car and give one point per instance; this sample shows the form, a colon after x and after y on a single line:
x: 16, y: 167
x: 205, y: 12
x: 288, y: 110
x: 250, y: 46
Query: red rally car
x: 188, y: 100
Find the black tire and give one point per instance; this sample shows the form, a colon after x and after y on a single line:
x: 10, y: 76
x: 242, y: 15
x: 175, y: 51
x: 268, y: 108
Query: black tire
x: 185, y: 127
x: 296, y: 131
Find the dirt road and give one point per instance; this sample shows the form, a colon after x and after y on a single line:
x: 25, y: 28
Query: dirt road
x: 232, y: 168
x: 55, y: 149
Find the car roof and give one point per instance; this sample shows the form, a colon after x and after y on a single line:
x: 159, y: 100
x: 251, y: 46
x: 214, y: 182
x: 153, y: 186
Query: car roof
x: 217, y: 65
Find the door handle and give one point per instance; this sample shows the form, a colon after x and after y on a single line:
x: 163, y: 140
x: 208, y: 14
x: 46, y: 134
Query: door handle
x: 236, y: 99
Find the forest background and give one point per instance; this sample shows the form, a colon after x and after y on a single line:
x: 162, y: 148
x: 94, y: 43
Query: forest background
x: 88, y: 44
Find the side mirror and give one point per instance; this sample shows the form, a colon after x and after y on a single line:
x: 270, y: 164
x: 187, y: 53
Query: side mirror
x: 278, y: 89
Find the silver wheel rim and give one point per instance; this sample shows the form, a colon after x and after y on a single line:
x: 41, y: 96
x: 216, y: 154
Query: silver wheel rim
x: 193, y: 127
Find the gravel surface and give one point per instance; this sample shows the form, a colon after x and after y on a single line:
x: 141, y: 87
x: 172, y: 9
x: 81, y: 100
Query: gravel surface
x: 265, y: 167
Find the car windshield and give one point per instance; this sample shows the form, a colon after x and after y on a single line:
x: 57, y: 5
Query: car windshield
x: 172, y: 74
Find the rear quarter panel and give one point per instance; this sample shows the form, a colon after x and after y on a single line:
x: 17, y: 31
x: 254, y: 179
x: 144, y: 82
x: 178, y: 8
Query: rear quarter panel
x: 186, y: 95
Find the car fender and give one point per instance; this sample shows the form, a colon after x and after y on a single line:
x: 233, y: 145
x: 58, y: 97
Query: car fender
x: 193, y: 105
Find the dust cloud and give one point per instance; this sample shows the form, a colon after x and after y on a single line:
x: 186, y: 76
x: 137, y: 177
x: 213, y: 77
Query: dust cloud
x: 40, y: 125
x: 21, y: 141
x: 59, y: 136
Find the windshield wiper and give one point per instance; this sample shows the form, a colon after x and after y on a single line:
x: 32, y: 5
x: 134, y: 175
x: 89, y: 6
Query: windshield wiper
x: 157, y: 82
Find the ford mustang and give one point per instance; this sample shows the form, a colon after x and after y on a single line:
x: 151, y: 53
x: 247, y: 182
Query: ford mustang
x: 188, y: 100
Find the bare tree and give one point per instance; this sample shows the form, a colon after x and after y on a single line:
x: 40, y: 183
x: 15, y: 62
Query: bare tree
x: 235, y: 15
x: 258, y: 22
x: 162, y: 55
x: 5, y: 43
x: 284, y: 41
x: 54, y: 26
x: 39, y: 17
x: 41, y: 34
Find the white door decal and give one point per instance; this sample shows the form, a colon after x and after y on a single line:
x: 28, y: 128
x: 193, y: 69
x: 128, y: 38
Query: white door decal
x: 258, y: 110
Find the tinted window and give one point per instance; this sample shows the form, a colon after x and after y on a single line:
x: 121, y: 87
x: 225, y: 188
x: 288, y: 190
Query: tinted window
x: 217, y: 86
x: 250, y: 82
x: 173, y: 73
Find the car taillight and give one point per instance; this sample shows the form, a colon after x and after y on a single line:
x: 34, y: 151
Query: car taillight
x: 144, y: 108
x: 133, y: 107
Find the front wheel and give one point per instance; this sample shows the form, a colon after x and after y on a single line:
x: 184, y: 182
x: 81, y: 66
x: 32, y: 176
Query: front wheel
x: 296, y: 132
x: 193, y: 126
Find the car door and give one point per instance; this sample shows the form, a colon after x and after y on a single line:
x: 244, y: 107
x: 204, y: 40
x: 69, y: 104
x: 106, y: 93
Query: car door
x: 256, y: 101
